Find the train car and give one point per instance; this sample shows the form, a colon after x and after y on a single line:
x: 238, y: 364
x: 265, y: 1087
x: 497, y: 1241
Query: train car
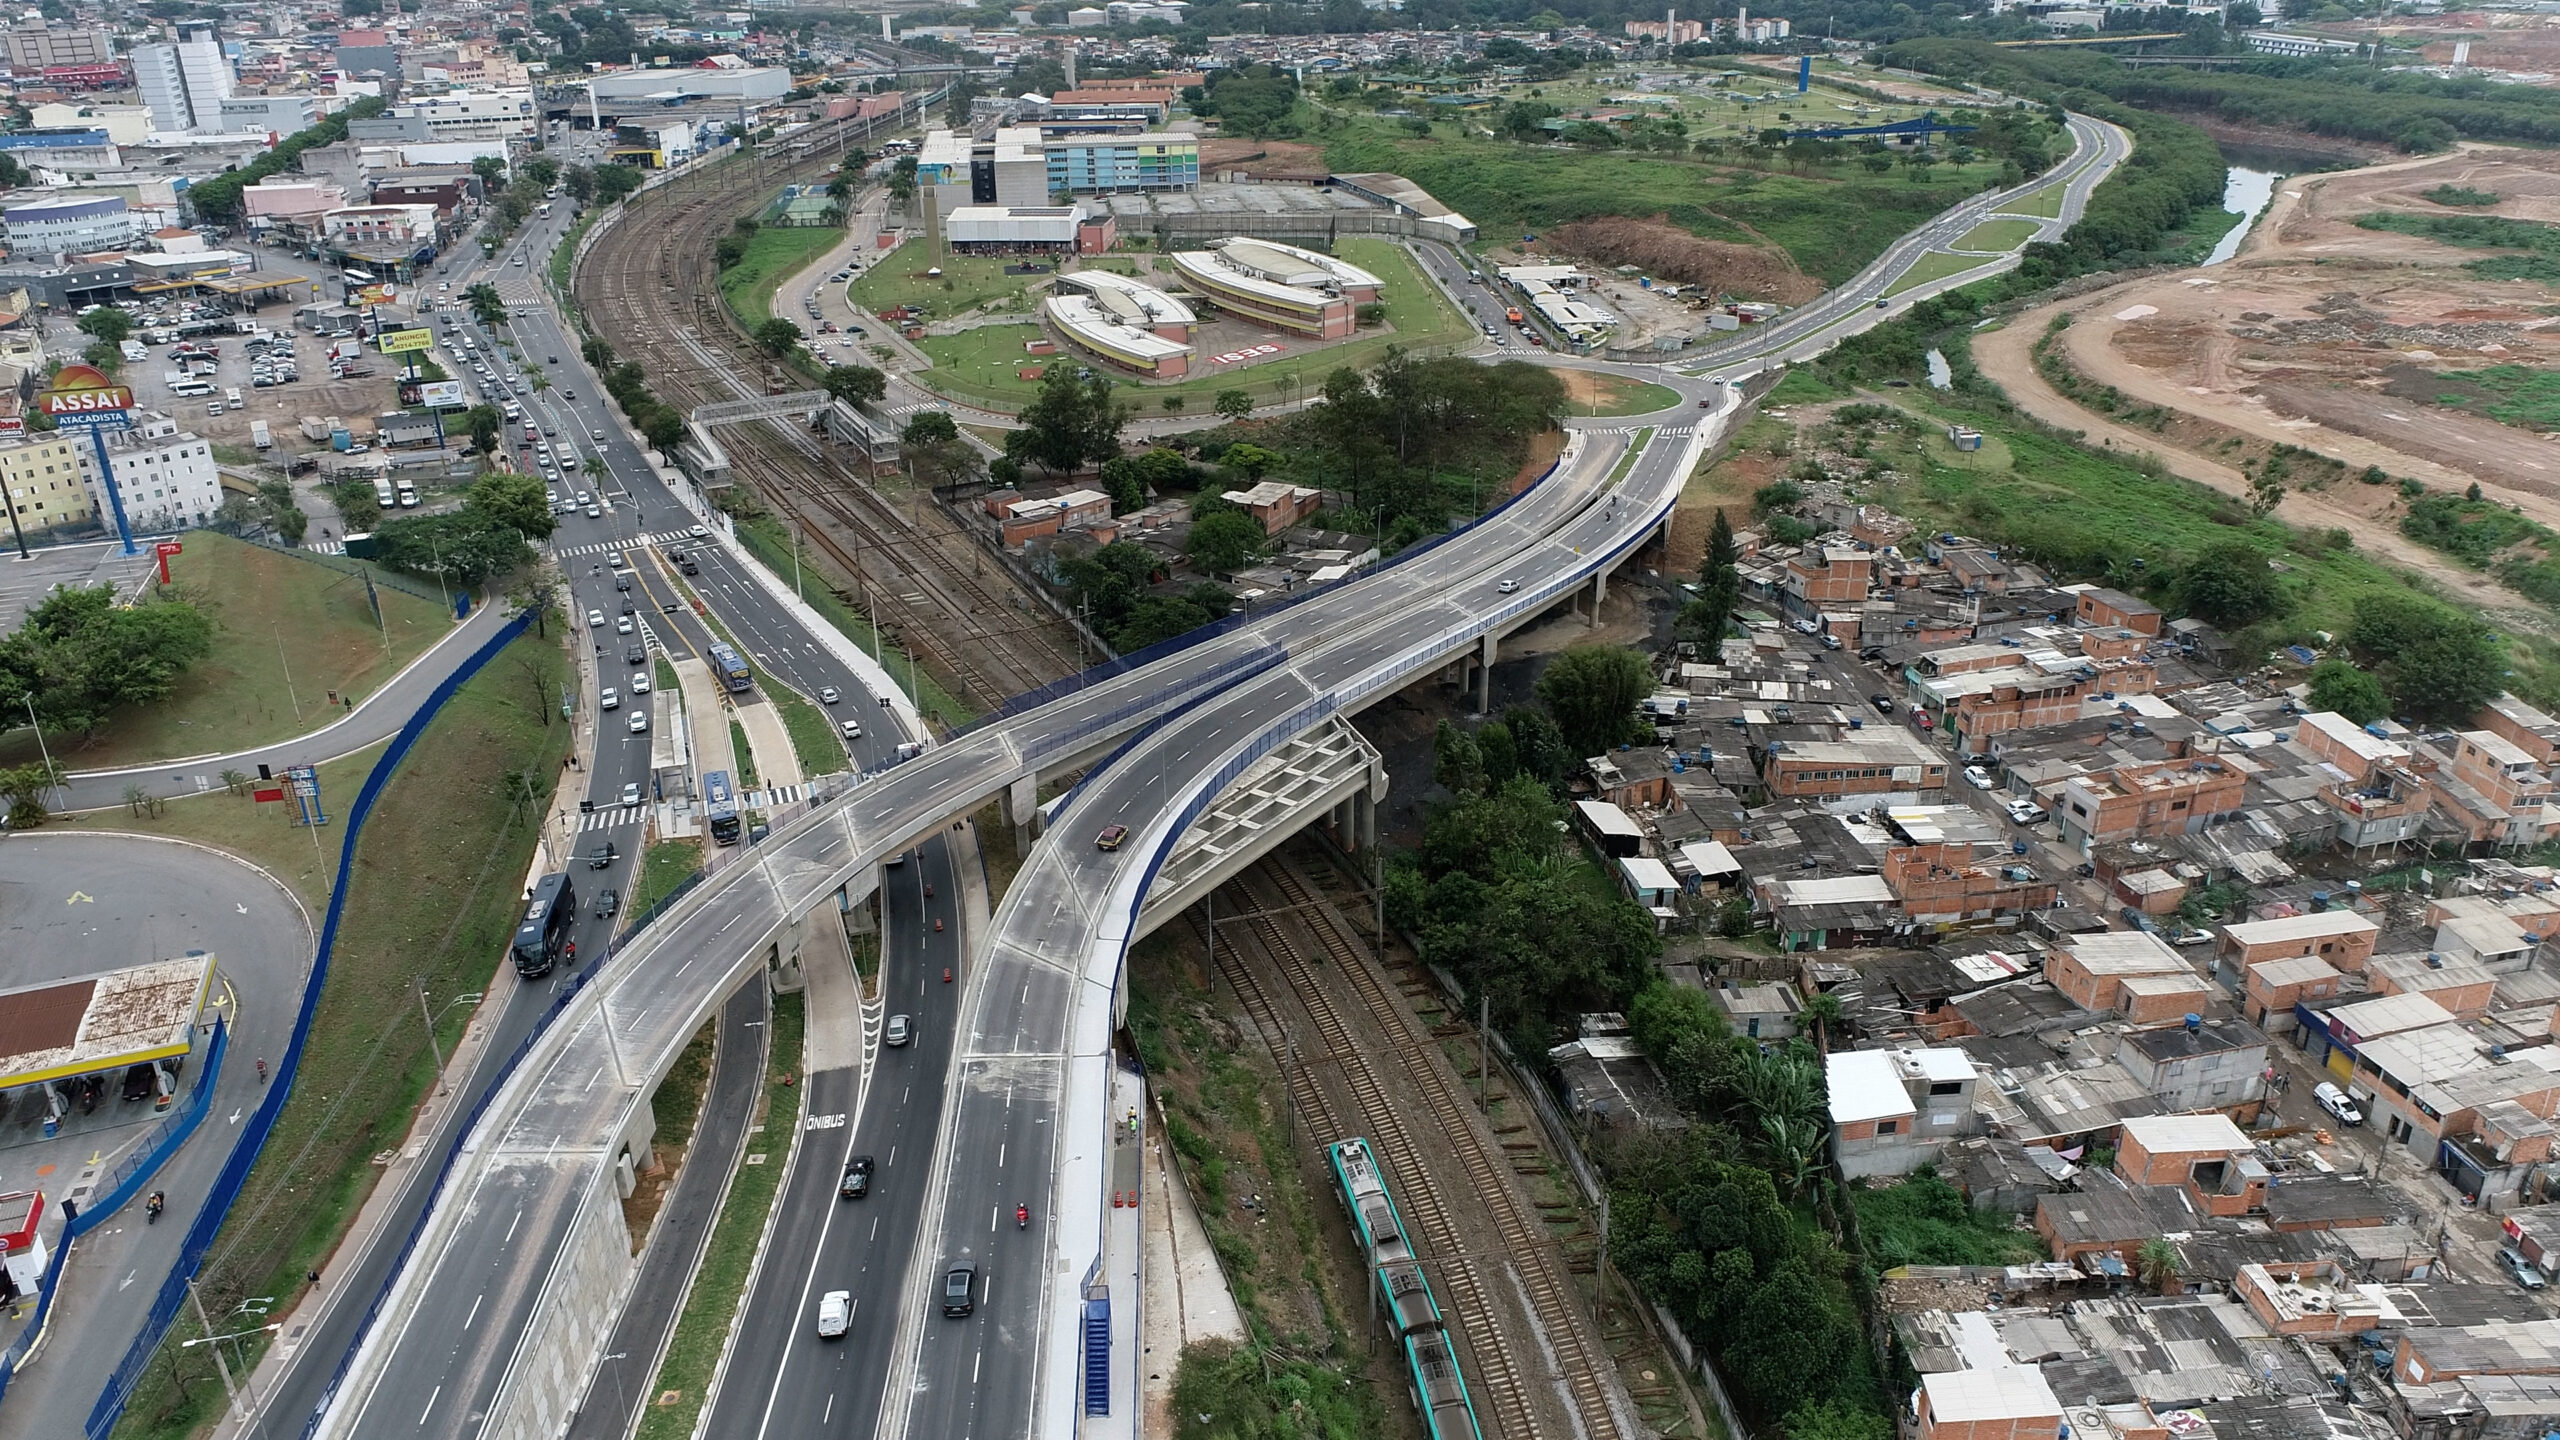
x: 1439, y: 1391
x: 731, y: 669
x: 1384, y: 1245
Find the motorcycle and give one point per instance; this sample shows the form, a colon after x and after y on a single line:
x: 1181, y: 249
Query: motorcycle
x: 1021, y: 1217
x: 151, y: 1208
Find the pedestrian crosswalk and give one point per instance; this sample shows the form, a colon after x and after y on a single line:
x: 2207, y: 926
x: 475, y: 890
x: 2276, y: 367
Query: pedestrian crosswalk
x: 600, y: 547
x: 608, y: 817
x: 772, y: 797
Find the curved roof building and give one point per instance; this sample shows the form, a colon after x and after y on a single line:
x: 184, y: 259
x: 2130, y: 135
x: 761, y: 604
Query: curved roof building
x: 1123, y: 323
x: 1278, y: 285
x: 1132, y: 302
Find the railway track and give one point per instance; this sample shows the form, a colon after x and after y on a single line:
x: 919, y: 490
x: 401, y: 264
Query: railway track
x: 1524, y: 1236
x: 1498, y: 1383
x: 649, y: 288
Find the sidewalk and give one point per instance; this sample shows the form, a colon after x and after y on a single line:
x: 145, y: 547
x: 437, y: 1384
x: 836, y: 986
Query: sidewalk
x: 706, y: 719
x: 1187, y: 1300
x: 777, y: 760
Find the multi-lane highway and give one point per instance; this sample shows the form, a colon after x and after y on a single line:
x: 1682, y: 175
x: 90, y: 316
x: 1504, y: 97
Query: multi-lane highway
x: 636, y: 507
x: 1037, y: 1010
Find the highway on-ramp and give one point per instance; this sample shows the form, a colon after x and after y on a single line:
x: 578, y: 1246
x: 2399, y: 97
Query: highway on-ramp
x: 549, y: 1131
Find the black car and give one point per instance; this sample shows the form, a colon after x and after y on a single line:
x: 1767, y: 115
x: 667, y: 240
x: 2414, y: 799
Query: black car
x: 603, y: 856
x: 960, y: 1289
x: 857, y: 1179
x: 607, y: 902
x: 140, y: 1082
x: 1882, y: 702
x: 636, y: 655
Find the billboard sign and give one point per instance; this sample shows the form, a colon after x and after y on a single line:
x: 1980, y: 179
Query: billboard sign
x: 12, y: 425
x: 443, y: 395
x: 376, y: 294
x: 82, y: 395
x: 395, y: 342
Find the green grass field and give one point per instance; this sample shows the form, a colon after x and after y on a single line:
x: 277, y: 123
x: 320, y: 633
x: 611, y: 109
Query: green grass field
x: 967, y: 281
x: 2073, y: 509
x: 774, y: 254
x: 813, y: 735
x: 274, y: 615
x: 1934, y: 265
x: 1998, y: 235
x: 702, y: 1327
x: 1831, y: 220
x: 666, y: 865
x: 985, y: 364
x: 1595, y: 393
x: 2046, y: 202
x: 438, y: 881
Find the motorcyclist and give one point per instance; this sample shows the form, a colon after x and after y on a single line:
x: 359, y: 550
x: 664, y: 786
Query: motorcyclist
x: 1021, y: 1216
x: 154, y: 1205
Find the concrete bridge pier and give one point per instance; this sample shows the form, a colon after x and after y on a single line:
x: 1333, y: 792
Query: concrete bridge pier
x: 1022, y: 811
x: 1484, y: 678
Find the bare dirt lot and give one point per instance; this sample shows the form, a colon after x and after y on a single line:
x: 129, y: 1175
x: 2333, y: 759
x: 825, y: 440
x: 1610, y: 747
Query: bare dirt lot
x: 2331, y: 338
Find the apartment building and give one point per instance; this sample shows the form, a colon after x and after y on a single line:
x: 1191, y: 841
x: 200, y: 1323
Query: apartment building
x: 2131, y: 972
x: 1860, y: 762
x: 2200, y: 1064
x: 2146, y: 801
x: 2527, y: 728
x: 2205, y: 1155
x: 2006, y: 1402
x: 184, y: 83
x: 2270, y: 990
x: 42, y: 46
x: 2099, y: 607
x: 165, y: 475
x: 2342, y: 937
x: 1944, y: 885
x: 1892, y: 1111
x: 44, y: 480
x: 75, y: 225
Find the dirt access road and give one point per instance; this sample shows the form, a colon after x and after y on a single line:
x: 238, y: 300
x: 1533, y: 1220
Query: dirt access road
x: 2331, y: 338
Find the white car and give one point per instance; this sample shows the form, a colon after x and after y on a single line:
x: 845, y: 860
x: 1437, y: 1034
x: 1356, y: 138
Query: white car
x: 639, y: 722
x: 608, y: 698
x: 853, y: 729
x: 595, y: 619
x: 621, y: 624
x: 2334, y: 1100
x: 639, y: 682
x: 630, y: 792
x: 1978, y: 778
x: 835, y: 1314
x: 827, y: 695
x: 2026, y: 812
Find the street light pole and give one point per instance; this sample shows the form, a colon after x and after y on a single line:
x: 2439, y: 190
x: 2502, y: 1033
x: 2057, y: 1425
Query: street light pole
x: 434, y: 1048
x: 30, y: 699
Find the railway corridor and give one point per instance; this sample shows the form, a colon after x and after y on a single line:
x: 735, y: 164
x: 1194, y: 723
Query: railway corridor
x: 649, y: 289
x: 1364, y: 1064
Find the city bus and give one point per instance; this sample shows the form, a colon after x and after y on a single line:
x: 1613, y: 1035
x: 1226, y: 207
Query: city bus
x: 720, y: 807
x: 548, y: 918
x: 732, y: 671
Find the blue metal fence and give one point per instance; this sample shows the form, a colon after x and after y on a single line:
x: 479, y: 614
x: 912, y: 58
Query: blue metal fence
x: 235, y: 1170
x: 124, y: 1180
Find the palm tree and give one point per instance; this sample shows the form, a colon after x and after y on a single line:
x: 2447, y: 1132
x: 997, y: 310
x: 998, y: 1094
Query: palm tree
x: 2158, y: 1262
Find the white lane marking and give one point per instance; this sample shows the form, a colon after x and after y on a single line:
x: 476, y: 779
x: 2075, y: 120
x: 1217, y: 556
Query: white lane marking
x: 511, y: 1227
x: 475, y: 1309
x: 431, y: 1404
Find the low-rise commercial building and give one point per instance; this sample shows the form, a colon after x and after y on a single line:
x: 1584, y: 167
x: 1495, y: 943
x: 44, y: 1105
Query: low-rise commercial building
x: 81, y: 226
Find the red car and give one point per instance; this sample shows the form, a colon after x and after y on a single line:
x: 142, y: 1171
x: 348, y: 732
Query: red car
x: 1111, y: 837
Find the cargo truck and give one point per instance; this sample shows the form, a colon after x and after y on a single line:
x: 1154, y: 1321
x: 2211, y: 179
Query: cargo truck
x: 260, y: 435
x: 382, y: 494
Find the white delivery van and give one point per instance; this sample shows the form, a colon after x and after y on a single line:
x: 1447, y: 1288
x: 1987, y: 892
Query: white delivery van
x: 231, y: 399
x: 133, y: 352
x: 382, y: 494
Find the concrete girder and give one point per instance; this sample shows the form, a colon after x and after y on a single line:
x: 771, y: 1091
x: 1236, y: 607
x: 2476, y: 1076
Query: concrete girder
x: 1330, y: 773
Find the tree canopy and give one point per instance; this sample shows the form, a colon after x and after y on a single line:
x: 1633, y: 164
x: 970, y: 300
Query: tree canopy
x: 1074, y: 421
x: 2436, y: 664
x: 2230, y: 585
x: 1593, y: 691
x: 82, y: 656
